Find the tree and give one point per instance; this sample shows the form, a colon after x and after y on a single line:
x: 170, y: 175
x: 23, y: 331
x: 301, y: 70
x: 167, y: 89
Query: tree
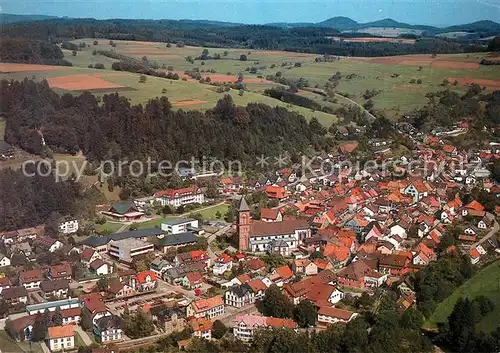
x: 412, y: 319
x: 102, y: 284
x: 94, y: 52
x: 494, y: 44
x: 39, y: 331
x: 241, y: 92
x: 73, y: 53
x: 57, y: 319
x: 169, y: 45
x: 86, y: 320
x: 218, y: 329
x: 419, y: 81
x: 96, y: 42
x: 90, y: 66
x: 275, y: 303
x: 139, y: 324
x: 243, y: 57
x: 143, y: 79
x: 218, y: 215
x: 305, y: 314
x: 204, y: 54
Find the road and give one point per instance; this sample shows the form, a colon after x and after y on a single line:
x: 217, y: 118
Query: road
x: 212, y: 238
x: 231, y: 313
x: 492, y: 232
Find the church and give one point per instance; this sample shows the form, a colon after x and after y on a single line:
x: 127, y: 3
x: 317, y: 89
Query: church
x: 260, y: 236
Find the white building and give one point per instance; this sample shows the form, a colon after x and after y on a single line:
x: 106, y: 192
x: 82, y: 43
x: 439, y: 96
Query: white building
x: 180, y: 197
x: 61, y: 338
x: 177, y: 226
x: 209, y: 308
x: 328, y: 315
x: 245, y: 325
x: 4, y: 260
x: 68, y: 225
x: 125, y: 250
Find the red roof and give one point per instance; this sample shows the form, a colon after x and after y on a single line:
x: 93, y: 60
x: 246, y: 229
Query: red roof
x: 269, y: 213
x: 285, y: 272
x: 257, y: 285
x: 255, y: 264
x: 275, y: 192
x: 341, y: 253
x: 142, y: 276
x: 87, y: 254
x: 474, y: 253
x: 174, y: 193
x: 61, y: 331
x: 194, y: 277
x: 31, y: 275
x: 335, y: 312
x: 277, y: 323
x: 475, y: 206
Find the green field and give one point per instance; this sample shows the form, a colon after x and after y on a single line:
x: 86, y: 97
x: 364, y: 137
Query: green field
x: 2, y: 128
x: 487, y: 283
x: 209, y: 213
x: 109, y: 226
x: 154, y: 223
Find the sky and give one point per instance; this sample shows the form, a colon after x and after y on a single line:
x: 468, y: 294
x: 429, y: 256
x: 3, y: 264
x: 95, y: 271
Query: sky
x: 429, y: 12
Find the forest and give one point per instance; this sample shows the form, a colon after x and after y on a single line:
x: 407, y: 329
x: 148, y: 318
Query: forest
x: 30, y: 51
x: 114, y: 129
x: 304, y: 39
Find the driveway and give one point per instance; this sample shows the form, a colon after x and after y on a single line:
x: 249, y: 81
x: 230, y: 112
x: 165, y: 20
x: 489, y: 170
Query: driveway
x: 84, y: 335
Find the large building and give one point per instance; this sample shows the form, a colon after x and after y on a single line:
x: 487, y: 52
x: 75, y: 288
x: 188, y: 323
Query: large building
x: 260, y: 236
x: 127, y: 249
x: 180, y: 197
x: 176, y: 226
x: 245, y: 325
x: 61, y: 338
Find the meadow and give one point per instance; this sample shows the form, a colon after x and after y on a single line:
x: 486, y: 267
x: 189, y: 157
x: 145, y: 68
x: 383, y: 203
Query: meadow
x: 486, y: 282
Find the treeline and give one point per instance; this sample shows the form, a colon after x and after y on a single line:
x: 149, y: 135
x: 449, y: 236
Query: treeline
x: 445, y: 108
x: 296, y: 99
x: 114, y: 129
x: 304, y: 39
x: 30, y: 51
x: 27, y: 201
x: 489, y: 62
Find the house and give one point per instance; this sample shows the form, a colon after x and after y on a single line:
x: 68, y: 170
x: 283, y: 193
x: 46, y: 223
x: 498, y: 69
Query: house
x: 126, y: 250
x: 21, y: 248
x: 108, y: 329
x: 353, y: 275
x: 51, y: 243
x: 4, y: 260
x: 31, y: 279
x: 191, y: 257
x: 171, y: 241
x: 222, y: 264
x: 475, y: 256
x: 209, y: 307
x: 202, y: 328
x: 94, y: 303
x: 54, y: 289
x: 271, y: 215
x: 258, y: 288
x: 67, y: 225
x: 15, y: 295
x: 304, y: 266
x: 71, y: 316
x: 89, y: 255
x: 117, y: 289
x: 61, y: 338
x: 192, y: 280
x: 239, y: 295
x: 298, y: 291
x: 473, y: 208
x: 374, y: 279
x: 245, y: 325
x: 4, y: 283
x: 276, y: 192
x: 175, y: 274
x: 255, y: 264
x: 124, y: 211
x: 417, y: 190
x: 61, y: 271
x: 180, y: 197
x: 144, y: 281
x: 160, y: 266
x: 100, y: 267
x: 328, y: 315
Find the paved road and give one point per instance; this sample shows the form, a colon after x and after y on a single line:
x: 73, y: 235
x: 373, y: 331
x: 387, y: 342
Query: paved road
x: 84, y: 335
x: 212, y: 238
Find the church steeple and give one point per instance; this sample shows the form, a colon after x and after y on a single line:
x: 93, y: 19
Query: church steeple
x: 243, y: 224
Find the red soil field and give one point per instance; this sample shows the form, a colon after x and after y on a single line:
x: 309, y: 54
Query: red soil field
x: 491, y: 84
x: 11, y: 67
x: 379, y: 40
x: 455, y: 65
x: 188, y: 102
x: 81, y: 82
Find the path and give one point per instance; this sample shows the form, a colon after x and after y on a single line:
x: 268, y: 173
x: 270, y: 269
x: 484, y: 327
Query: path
x: 212, y: 237
x: 84, y: 335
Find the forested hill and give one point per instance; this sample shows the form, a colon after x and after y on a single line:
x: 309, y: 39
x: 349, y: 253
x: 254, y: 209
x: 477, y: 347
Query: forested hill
x: 304, y: 39
x: 117, y: 130
x: 31, y: 51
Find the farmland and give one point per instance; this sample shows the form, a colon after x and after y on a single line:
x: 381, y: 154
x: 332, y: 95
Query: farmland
x: 487, y: 283
x: 394, y: 78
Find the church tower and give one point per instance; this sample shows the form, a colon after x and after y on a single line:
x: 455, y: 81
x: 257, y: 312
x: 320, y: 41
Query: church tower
x: 243, y: 224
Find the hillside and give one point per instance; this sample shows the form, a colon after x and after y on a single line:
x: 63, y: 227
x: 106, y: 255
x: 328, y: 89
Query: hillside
x: 10, y: 18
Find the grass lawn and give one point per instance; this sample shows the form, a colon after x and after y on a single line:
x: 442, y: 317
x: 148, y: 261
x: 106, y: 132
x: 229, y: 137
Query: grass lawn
x: 2, y: 128
x: 8, y: 345
x: 209, y: 213
x: 79, y: 341
x: 154, y: 223
x: 109, y: 226
x: 487, y: 283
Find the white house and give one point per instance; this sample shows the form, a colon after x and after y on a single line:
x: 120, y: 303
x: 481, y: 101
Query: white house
x: 209, y: 307
x: 398, y: 230
x: 68, y: 225
x: 222, y: 264
x: 101, y: 268
x: 61, y: 338
x: 239, y: 296
x: 177, y: 226
x: 4, y: 260
x: 109, y: 329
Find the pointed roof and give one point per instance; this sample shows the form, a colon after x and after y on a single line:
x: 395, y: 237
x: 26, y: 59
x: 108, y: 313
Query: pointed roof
x: 243, y: 205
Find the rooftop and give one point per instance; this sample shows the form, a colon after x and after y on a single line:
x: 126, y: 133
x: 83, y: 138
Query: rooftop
x: 177, y: 221
x: 61, y: 331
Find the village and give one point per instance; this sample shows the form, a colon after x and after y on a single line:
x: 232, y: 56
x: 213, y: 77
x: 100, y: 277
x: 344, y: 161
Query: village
x: 330, y: 239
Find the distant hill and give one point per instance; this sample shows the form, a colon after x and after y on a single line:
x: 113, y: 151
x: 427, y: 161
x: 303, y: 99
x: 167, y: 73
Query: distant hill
x: 9, y: 18
x: 341, y: 23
